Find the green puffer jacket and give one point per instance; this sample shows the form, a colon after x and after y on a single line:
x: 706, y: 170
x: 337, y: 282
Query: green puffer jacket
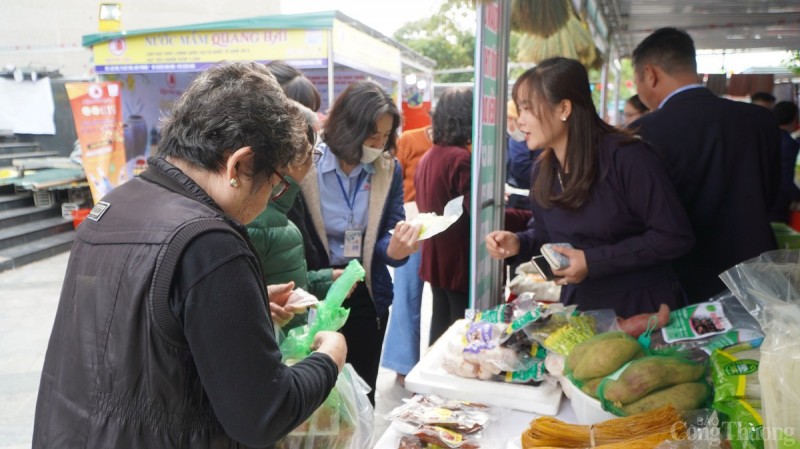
x: 279, y: 245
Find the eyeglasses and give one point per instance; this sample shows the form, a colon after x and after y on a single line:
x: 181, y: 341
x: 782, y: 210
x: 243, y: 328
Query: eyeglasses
x: 280, y: 189
x: 316, y: 154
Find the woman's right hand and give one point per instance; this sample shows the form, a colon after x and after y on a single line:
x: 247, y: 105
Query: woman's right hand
x: 502, y: 244
x: 333, y: 344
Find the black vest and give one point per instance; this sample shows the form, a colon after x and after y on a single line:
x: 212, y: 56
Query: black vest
x: 117, y: 373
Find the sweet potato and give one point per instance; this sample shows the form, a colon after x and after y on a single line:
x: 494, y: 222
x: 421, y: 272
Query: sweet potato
x: 590, y: 386
x: 647, y: 375
x: 585, y: 347
x: 637, y: 324
x: 605, y: 357
x: 685, y: 396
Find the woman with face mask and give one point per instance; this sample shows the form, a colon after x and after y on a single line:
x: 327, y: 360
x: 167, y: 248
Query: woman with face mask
x: 354, y: 197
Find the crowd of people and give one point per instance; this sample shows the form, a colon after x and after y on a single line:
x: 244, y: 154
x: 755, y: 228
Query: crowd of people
x: 166, y: 331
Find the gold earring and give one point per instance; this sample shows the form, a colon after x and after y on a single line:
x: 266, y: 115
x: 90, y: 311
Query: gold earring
x: 234, y: 183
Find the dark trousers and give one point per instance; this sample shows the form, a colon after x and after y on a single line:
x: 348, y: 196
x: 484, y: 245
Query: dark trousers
x: 448, y: 307
x: 364, y: 332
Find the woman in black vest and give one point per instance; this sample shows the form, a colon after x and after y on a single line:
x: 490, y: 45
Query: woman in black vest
x: 163, y: 336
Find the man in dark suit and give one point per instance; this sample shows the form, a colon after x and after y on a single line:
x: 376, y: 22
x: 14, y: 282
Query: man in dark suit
x: 722, y: 155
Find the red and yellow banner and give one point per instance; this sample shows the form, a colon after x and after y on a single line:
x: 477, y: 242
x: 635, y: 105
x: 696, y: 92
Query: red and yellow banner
x: 97, y: 110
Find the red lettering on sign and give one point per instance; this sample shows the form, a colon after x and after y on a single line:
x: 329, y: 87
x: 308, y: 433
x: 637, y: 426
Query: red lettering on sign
x: 489, y: 109
x: 493, y: 16
x: 490, y: 62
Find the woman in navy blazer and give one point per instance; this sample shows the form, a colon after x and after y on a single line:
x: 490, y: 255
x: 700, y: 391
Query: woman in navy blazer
x: 601, y: 190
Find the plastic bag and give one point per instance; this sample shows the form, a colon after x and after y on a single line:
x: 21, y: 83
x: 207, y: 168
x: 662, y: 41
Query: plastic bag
x: 343, y: 421
x: 330, y: 315
x: 745, y: 332
x: 769, y: 288
x: 652, y: 382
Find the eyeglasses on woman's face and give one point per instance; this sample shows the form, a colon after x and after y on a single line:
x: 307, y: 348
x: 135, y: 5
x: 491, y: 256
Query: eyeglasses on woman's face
x: 316, y: 154
x: 279, y: 189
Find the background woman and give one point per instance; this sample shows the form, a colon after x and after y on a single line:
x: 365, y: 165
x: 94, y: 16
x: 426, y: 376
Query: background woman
x: 634, y: 108
x: 163, y: 336
x: 444, y: 173
x: 603, y: 191
x: 354, y: 196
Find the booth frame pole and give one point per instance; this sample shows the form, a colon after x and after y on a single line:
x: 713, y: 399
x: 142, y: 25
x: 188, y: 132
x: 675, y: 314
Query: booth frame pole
x: 331, y: 82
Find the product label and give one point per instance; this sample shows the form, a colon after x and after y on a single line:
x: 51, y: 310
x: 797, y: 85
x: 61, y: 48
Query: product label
x: 741, y: 367
x: 699, y: 321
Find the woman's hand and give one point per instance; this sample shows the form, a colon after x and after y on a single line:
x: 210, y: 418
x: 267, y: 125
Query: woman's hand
x: 333, y: 344
x: 577, y: 269
x: 502, y: 244
x: 278, y: 295
x: 404, y: 241
x: 280, y: 315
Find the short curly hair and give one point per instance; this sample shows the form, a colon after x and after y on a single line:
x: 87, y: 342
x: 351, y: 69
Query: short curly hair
x: 230, y: 106
x: 452, y: 118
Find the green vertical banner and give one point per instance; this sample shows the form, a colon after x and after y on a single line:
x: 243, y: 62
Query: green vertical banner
x: 488, y: 150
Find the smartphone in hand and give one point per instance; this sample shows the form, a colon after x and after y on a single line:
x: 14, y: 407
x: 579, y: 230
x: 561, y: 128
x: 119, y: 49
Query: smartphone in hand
x: 557, y: 260
x: 543, y: 267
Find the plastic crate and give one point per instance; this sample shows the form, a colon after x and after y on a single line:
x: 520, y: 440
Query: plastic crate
x: 44, y: 199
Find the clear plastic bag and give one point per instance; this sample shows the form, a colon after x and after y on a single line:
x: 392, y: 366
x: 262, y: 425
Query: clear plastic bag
x: 769, y: 288
x: 343, y: 421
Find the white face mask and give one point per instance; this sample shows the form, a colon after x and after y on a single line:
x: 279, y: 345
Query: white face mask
x: 369, y: 154
x: 517, y: 135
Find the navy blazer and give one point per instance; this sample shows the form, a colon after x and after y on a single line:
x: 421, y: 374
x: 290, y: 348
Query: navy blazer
x: 724, y: 158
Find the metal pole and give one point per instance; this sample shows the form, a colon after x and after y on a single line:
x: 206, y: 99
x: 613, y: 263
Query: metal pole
x: 331, y: 83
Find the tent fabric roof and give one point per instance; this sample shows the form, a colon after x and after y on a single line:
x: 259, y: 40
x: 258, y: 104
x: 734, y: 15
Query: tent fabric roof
x: 309, y: 21
x: 713, y: 24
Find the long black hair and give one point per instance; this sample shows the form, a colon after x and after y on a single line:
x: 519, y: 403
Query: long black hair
x: 543, y: 87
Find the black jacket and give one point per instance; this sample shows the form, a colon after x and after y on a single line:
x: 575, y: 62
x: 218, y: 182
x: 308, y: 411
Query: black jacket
x: 724, y: 158
x: 119, y: 371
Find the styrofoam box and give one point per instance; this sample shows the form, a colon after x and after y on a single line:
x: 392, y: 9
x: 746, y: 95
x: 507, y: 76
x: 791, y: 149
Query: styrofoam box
x: 588, y: 410
x: 428, y: 377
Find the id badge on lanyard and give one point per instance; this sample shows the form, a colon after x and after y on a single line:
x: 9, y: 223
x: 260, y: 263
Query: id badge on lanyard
x: 353, y: 234
x: 353, y: 239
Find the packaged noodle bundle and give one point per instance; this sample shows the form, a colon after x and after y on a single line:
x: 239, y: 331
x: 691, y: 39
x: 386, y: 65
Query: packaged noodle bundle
x: 644, y: 430
x: 769, y: 288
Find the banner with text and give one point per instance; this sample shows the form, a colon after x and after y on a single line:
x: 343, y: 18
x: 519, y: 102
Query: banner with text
x: 191, y: 51
x: 97, y: 110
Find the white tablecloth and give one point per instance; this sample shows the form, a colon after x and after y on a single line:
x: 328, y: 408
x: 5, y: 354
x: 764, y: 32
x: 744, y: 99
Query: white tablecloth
x: 504, y: 432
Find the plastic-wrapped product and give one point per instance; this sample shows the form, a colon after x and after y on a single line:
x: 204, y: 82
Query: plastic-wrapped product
x: 769, y: 288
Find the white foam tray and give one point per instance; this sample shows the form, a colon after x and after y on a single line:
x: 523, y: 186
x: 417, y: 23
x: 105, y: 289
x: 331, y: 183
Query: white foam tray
x: 428, y: 377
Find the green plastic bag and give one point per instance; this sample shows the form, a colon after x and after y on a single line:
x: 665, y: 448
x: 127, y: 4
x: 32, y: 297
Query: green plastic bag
x: 744, y: 424
x: 331, y: 316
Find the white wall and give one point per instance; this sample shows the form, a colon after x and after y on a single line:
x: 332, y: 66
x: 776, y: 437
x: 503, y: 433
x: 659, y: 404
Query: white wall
x: 48, y: 32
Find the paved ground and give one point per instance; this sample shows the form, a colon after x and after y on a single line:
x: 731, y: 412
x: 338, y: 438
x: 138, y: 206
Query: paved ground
x: 28, y: 302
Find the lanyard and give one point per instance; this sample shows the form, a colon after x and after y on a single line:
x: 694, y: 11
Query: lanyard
x: 351, y: 202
